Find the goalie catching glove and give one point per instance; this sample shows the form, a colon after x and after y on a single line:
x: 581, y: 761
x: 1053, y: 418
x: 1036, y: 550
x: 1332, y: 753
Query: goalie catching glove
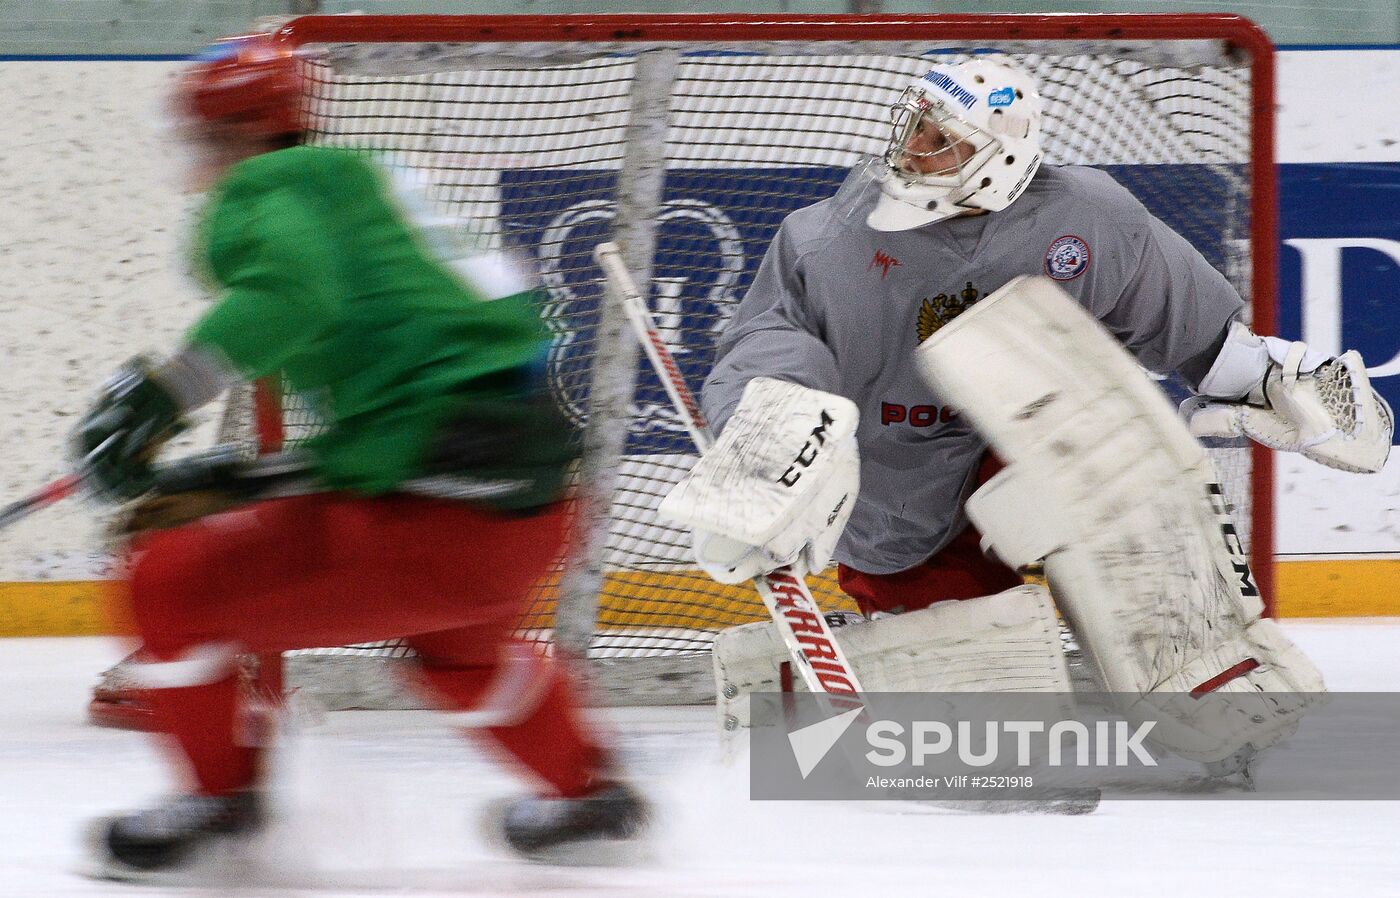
x: 1323, y: 408
x: 777, y: 486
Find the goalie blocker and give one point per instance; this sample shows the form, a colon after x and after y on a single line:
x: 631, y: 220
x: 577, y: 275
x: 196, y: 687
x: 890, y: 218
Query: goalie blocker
x: 1105, y: 483
x: 777, y: 486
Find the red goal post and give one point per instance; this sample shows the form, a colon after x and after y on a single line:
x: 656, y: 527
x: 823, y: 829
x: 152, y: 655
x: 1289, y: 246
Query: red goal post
x: 666, y: 132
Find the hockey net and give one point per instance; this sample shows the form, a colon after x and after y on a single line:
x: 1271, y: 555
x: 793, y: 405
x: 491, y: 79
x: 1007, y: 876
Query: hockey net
x: 688, y: 139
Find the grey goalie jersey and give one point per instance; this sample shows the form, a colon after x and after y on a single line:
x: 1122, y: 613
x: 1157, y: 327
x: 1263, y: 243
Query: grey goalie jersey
x: 838, y: 306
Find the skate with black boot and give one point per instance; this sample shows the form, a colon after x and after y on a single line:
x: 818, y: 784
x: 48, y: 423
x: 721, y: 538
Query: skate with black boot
x: 607, y: 825
x: 175, y: 837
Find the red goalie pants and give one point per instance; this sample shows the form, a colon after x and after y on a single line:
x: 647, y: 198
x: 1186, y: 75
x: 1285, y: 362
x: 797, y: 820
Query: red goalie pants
x: 333, y: 569
x: 957, y: 571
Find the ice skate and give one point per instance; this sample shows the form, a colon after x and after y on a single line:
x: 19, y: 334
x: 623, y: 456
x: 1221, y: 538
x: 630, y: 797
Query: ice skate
x: 173, y: 835
x: 601, y: 827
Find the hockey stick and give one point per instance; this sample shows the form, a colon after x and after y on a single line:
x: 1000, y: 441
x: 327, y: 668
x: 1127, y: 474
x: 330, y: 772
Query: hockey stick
x: 52, y: 493
x: 221, y: 467
x: 818, y: 656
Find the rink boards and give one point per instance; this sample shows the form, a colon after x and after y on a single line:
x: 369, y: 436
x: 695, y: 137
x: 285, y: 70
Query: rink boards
x: 87, y: 280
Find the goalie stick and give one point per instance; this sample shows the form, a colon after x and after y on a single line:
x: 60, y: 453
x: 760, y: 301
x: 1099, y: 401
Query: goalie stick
x: 817, y: 655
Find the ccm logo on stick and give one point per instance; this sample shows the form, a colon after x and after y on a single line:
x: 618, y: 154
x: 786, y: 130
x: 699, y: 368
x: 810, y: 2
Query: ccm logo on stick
x: 808, y: 453
x: 915, y: 415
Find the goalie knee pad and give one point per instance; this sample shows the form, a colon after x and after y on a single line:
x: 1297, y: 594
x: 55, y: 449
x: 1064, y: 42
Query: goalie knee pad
x: 1106, y: 484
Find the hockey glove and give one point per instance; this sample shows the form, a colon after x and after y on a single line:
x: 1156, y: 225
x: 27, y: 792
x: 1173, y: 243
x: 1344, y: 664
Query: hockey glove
x: 161, y: 512
x: 117, y: 440
x: 212, y: 482
x: 1322, y: 408
x: 777, y: 486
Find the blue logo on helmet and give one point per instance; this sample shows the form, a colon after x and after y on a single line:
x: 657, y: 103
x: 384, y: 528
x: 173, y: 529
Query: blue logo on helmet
x: 955, y: 90
x: 1001, y: 97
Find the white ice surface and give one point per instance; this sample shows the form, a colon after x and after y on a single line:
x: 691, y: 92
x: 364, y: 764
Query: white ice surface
x: 378, y: 803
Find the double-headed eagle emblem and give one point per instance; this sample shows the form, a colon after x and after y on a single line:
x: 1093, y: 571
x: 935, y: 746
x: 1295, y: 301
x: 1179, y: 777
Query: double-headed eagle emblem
x: 939, y: 310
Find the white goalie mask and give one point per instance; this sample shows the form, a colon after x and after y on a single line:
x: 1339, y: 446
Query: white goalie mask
x: 963, y: 137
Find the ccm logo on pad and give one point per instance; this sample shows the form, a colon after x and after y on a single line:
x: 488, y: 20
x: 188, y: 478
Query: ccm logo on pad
x: 808, y: 453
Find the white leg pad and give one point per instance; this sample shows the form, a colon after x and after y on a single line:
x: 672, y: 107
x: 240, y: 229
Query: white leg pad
x: 1105, y: 481
x: 1008, y: 642
x: 1260, y: 706
x: 1019, y: 523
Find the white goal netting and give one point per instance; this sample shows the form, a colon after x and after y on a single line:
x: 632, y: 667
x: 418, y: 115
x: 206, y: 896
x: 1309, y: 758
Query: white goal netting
x: 691, y: 153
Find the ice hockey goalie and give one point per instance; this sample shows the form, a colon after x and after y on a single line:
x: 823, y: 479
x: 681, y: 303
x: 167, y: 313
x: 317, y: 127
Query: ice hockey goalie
x: 1105, y: 485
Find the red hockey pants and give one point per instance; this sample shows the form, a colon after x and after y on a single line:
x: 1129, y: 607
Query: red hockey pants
x: 334, y: 569
x: 958, y: 571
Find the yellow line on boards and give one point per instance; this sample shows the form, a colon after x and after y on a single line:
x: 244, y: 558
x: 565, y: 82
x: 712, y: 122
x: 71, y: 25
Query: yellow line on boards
x: 1351, y: 587
x: 55, y: 608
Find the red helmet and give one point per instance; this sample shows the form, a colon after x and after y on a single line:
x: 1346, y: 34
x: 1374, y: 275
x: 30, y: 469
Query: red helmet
x: 251, y: 83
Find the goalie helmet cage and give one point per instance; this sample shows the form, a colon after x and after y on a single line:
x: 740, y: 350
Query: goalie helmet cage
x: 687, y: 139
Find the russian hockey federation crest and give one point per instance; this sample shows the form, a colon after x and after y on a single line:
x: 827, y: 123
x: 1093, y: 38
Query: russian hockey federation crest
x: 1066, y: 258
x: 936, y: 311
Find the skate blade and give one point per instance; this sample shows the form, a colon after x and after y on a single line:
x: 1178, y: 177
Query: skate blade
x: 594, y: 853
x: 1074, y: 804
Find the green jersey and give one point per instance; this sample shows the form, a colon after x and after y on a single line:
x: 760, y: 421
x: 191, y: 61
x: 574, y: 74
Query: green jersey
x: 421, y: 365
